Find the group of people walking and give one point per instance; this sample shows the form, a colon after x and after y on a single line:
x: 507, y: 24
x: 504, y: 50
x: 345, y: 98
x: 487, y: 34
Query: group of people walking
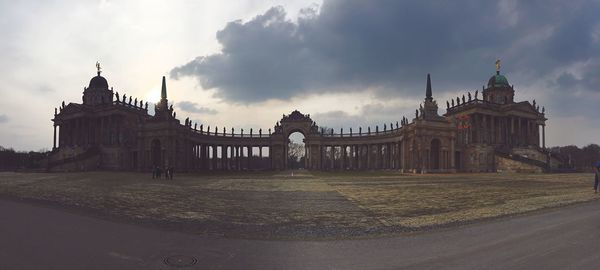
x: 157, y: 172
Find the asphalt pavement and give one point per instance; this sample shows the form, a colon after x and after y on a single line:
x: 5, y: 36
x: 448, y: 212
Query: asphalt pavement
x: 40, y: 237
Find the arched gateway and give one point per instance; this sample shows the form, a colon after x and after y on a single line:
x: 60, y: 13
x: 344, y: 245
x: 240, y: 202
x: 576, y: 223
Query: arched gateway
x: 117, y: 133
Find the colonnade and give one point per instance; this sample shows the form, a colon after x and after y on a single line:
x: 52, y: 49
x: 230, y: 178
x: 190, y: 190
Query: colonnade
x: 507, y: 130
x: 107, y: 130
x: 357, y: 156
x: 231, y: 157
x: 397, y: 155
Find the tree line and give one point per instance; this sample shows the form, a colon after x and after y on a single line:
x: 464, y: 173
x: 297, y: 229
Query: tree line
x: 581, y: 159
x: 11, y: 160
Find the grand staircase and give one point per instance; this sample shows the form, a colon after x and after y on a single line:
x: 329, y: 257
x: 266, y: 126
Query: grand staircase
x: 504, y: 153
x: 79, y: 158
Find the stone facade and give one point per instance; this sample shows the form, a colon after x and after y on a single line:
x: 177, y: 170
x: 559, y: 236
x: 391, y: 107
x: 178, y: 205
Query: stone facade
x: 488, y: 134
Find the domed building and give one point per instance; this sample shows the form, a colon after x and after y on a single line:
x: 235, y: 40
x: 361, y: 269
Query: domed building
x: 490, y: 132
x: 97, y: 91
x: 495, y: 133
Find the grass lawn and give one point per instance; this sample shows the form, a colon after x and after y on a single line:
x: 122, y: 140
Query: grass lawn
x: 307, y: 204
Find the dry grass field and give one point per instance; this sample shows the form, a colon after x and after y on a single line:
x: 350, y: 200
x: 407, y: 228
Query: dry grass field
x: 305, y: 205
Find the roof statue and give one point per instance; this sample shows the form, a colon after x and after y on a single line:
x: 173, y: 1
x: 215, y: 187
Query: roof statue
x: 498, y: 65
x: 98, y: 68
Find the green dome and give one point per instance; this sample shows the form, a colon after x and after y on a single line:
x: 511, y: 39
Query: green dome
x: 498, y: 81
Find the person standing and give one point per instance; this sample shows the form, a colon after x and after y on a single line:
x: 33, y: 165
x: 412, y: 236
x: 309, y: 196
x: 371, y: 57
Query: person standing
x: 171, y: 172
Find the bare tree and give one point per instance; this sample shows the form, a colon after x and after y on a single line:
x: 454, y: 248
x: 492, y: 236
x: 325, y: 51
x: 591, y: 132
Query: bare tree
x: 296, y: 153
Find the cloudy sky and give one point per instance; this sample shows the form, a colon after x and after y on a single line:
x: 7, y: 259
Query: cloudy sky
x: 347, y: 63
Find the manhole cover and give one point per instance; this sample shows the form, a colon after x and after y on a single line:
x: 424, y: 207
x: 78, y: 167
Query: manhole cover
x: 180, y: 260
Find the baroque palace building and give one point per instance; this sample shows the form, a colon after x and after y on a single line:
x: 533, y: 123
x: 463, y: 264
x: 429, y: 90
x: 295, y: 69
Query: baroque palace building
x: 491, y: 133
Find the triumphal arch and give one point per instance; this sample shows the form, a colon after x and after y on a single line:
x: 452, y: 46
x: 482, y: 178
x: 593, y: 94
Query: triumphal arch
x: 477, y: 133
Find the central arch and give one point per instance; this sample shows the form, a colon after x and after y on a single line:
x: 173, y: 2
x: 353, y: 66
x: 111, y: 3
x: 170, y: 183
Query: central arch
x: 291, y: 124
x: 296, y: 151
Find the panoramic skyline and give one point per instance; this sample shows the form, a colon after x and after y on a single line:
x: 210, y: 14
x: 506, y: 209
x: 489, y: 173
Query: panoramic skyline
x: 347, y: 63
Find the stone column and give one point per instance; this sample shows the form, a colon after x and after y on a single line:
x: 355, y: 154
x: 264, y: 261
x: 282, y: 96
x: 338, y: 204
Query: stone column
x: 359, y: 161
x: 54, y: 140
x: 332, y: 155
x: 228, y: 156
x: 362, y: 158
x: 519, y: 131
x: 544, y: 136
x: 238, y: 159
x: 198, y: 157
x: 194, y: 159
x: 368, y: 157
x: 402, y: 156
x: 357, y: 157
x: 380, y: 157
x: 110, y: 130
x: 451, y: 157
x: 493, y: 137
x: 250, y: 157
x: 511, y: 136
x: 270, y: 156
x: 391, y: 152
x: 376, y: 158
x: 526, y: 131
x: 260, y: 157
x: 537, y: 134
x: 321, y: 167
x: 214, y: 157
x: 352, y: 158
x: 343, y: 160
x: 386, y: 156
x: 201, y: 156
x: 349, y: 157
x: 399, y: 155
x: 484, y: 131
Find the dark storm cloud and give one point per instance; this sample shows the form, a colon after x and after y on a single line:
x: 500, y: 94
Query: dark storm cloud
x: 589, y: 79
x: 390, y: 45
x: 193, y: 107
x: 3, y: 118
x: 375, y: 114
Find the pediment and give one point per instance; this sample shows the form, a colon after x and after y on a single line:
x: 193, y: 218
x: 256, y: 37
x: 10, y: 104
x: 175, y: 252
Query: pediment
x: 296, y: 116
x: 525, y: 107
x: 71, y: 108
